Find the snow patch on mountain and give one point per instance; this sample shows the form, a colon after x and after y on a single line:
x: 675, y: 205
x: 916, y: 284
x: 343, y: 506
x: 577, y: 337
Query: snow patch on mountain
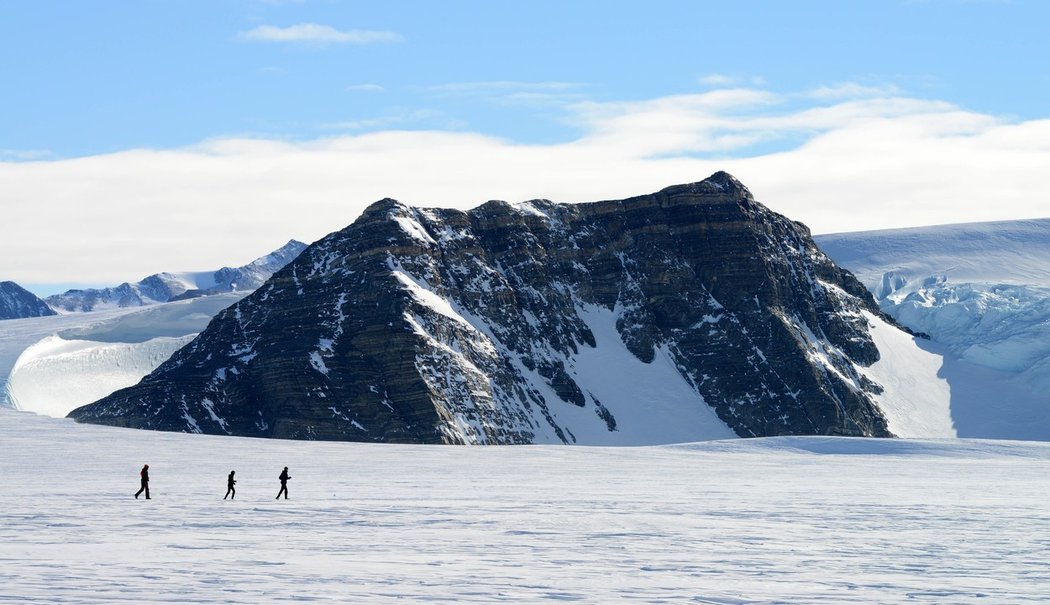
x: 914, y: 405
x: 652, y: 398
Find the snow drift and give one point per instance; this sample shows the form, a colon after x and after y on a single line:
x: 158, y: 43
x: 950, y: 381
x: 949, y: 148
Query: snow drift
x: 51, y: 365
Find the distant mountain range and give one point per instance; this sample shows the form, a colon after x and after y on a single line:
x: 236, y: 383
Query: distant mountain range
x: 165, y: 287
x: 16, y: 302
x: 50, y: 365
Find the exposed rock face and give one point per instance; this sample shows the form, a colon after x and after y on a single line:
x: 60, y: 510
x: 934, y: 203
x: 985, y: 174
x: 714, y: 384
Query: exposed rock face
x: 16, y: 302
x: 165, y: 287
x: 442, y: 326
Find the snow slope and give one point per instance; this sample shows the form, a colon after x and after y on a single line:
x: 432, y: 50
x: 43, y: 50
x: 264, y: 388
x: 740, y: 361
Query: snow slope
x: 913, y: 404
x: 783, y: 520
x: 617, y: 378
x: 982, y: 293
x: 51, y: 365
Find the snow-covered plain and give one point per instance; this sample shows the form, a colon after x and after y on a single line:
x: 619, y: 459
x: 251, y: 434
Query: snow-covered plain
x: 783, y: 520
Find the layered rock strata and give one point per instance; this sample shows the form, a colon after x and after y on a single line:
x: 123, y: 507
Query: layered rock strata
x: 417, y: 325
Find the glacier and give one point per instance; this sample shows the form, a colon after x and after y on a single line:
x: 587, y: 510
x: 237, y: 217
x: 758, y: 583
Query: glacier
x: 981, y: 291
x: 51, y: 365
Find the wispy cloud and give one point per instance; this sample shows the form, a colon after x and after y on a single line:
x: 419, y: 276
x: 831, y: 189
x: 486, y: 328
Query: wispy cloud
x: 395, y: 118
x: 490, y: 86
x: 853, y: 90
x: 512, y: 92
x: 313, y: 33
x: 725, y: 80
x: 365, y: 88
x: 25, y: 155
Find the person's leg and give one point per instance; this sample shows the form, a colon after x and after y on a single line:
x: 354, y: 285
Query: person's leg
x: 146, y: 487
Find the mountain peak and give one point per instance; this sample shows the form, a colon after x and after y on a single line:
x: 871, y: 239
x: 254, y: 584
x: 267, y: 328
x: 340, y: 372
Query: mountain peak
x: 16, y: 302
x: 687, y: 314
x: 386, y: 205
x: 720, y: 184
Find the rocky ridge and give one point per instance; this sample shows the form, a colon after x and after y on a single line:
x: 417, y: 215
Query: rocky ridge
x: 492, y: 326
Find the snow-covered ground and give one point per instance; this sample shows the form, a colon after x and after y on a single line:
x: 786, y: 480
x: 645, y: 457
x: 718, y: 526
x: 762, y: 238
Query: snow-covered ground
x: 982, y: 293
x: 51, y: 365
x: 784, y: 520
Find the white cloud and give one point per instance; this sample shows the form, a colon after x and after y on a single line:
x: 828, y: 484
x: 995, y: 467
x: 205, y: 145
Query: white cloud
x: 852, y: 90
x: 394, y: 118
x: 487, y: 87
x: 726, y: 81
x: 365, y: 88
x: 857, y: 164
x: 718, y: 80
x: 512, y: 92
x: 25, y: 155
x: 317, y: 34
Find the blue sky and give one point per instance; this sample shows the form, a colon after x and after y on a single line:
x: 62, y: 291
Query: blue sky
x: 288, y: 117
x: 83, y: 77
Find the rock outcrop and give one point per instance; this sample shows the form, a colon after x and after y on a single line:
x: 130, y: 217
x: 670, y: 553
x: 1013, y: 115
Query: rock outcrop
x: 16, y: 302
x: 535, y: 322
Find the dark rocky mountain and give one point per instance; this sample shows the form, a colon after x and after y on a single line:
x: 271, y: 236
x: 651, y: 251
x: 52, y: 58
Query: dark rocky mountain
x: 16, y: 302
x: 536, y: 322
x: 165, y: 287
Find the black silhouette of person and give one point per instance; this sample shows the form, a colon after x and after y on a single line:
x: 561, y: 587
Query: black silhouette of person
x: 232, y: 493
x: 144, y: 474
x: 284, y: 484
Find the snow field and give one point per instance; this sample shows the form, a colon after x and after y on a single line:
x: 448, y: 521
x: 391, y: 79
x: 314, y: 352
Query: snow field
x: 786, y: 520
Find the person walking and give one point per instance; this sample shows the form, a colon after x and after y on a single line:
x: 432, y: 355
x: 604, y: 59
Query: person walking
x: 284, y: 484
x: 144, y: 481
x: 232, y: 493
